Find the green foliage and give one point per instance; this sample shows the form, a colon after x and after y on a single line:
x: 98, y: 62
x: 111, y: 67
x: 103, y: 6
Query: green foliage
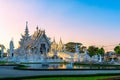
x: 95, y: 50
x: 117, y: 49
x: 92, y: 50
x: 70, y: 46
x: 2, y: 62
x: 101, y: 51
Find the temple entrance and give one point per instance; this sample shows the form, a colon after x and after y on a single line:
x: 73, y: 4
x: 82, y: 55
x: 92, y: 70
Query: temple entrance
x: 42, y: 49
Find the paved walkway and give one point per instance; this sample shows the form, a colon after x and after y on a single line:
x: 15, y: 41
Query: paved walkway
x: 8, y: 71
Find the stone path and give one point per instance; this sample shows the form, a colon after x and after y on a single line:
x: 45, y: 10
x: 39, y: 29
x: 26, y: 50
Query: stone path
x: 8, y: 71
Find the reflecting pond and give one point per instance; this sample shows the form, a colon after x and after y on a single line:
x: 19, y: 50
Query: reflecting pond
x: 69, y: 66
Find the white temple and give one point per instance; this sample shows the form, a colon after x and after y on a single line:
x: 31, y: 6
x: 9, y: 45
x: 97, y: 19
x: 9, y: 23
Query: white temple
x: 38, y: 48
x: 32, y: 47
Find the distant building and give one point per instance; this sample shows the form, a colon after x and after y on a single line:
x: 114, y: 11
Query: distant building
x: 109, y: 55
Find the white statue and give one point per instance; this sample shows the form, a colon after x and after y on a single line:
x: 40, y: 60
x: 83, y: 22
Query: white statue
x: 77, y: 49
x: 84, y: 56
x: 2, y: 50
x: 76, y: 54
x: 100, y: 58
x: 70, y: 66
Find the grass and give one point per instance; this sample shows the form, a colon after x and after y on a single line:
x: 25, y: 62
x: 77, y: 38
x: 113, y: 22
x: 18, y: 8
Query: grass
x: 2, y: 62
x: 116, y: 76
x: 73, y: 78
x: 62, y: 78
x: 6, y: 63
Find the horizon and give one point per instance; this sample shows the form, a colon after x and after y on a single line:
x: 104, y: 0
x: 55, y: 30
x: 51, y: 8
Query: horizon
x: 88, y: 22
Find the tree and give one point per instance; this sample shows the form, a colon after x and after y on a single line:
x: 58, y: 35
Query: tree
x: 82, y: 49
x: 101, y: 51
x: 95, y: 50
x: 92, y: 50
x: 117, y: 49
x: 70, y: 46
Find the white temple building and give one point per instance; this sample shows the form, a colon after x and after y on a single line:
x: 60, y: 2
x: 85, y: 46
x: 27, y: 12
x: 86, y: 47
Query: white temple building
x: 38, y: 47
x: 32, y: 47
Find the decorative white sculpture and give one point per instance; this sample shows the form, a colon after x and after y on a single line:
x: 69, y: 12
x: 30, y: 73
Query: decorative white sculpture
x: 100, y: 58
x: 84, y: 57
x: 70, y: 66
x: 77, y: 49
x: 2, y: 50
x: 11, y: 50
x: 77, y: 53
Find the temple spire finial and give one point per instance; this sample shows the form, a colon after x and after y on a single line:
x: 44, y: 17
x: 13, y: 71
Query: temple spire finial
x: 60, y: 40
x: 37, y: 28
x: 54, y: 39
x: 26, y: 22
x: 26, y: 30
x: 60, y: 45
x: 12, y: 39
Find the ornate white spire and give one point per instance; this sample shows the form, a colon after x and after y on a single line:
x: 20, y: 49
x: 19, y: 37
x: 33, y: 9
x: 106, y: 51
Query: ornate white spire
x: 11, y: 48
x: 60, y: 41
x: 26, y: 30
x: 11, y: 43
x: 37, y: 28
x: 60, y: 45
x: 54, y: 40
x: 54, y: 45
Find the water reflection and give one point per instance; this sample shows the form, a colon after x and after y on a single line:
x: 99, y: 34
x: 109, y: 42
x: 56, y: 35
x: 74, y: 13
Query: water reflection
x: 66, y: 66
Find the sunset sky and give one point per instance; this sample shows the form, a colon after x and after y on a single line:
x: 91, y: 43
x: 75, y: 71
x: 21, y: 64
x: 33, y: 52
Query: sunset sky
x: 91, y: 22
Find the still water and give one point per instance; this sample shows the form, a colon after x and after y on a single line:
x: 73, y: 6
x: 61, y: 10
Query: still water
x: 65, y: 66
